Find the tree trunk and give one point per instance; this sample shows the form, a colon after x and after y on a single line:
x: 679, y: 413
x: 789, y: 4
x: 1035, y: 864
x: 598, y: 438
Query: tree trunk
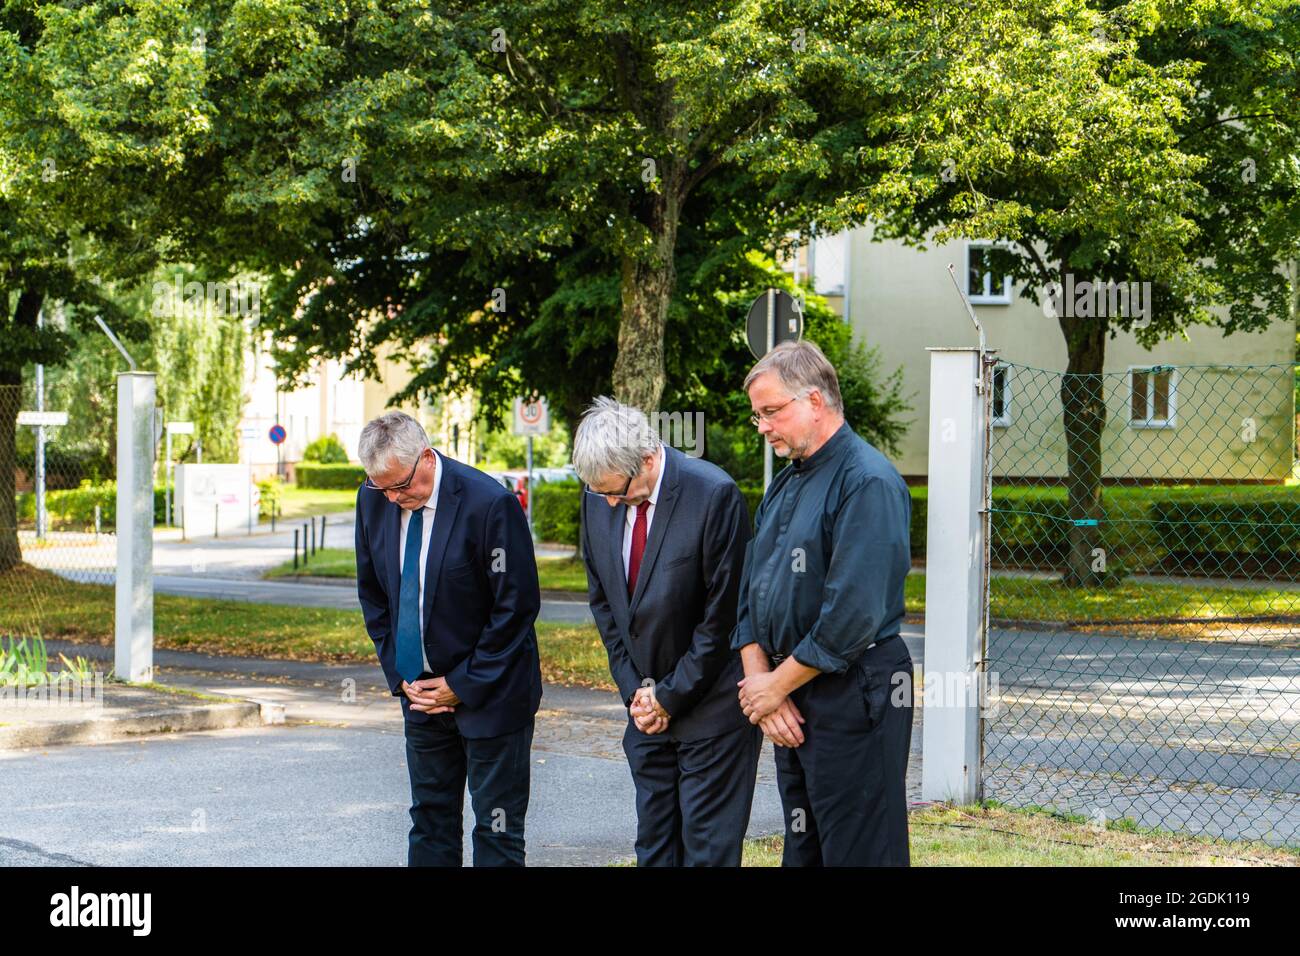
x: 10, y: 554
x: 648, y: 283
x: 11, y: 380
x: 1083, y: 404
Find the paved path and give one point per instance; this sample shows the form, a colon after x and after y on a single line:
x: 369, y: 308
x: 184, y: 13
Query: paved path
x: 329, y: 788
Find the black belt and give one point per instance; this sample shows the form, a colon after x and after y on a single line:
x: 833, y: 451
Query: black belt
x: 776, y: 659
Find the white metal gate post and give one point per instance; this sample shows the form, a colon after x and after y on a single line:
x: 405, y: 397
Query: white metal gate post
x: 954, y: 578
x: 133, y: 624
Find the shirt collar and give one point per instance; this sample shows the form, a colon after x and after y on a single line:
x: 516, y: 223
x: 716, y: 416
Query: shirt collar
x: 654, y: 494
x: 663, y: 466
x: 831, y: 450
x: 432, y: 503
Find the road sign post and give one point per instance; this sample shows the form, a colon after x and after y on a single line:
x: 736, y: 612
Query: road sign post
x: 41, y: 420
x: 531, y: 418
x: 774, y: 317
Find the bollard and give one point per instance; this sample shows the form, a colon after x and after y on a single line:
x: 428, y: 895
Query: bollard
x: 273, y: 511
x: 322, y: 532
x: 313, y: 535
x: 216, y: 521
x: 295, y: 549
x: 304, y: 544
x: 96, y: 522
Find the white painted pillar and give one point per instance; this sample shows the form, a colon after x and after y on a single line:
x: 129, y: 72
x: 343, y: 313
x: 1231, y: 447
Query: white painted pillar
x: 954, y: 571
x: 133, y: 630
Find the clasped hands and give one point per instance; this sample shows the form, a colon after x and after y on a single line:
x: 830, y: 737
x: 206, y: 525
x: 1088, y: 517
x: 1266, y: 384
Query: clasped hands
x: 647, y: 713
x: 767, y: 704
x: 431, y: 695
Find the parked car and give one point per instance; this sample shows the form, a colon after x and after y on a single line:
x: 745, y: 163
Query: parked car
x: 516, y: 482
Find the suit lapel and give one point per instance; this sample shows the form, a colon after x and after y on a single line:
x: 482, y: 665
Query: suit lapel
x: 444, y: 516
x: 659, y: 527
x: 617, y: 523
x: 392, y: 552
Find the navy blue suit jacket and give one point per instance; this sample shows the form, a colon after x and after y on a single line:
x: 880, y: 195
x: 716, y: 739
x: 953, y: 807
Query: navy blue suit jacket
x: 481, y: 598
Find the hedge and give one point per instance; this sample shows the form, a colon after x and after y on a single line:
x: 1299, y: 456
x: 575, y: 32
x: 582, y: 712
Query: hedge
x: 555, y: 511
x: 1227, y: 537
x: 1182, y: 531
x: 312, y: 475
x: 76, y: 507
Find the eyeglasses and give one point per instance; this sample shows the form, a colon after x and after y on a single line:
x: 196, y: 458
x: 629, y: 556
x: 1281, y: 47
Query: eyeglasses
x: 610, y: 494
x: 398, y: 487
x: 768, y: 416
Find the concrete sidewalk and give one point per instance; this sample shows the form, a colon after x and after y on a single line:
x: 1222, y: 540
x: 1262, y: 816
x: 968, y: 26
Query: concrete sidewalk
x: 112, y: 711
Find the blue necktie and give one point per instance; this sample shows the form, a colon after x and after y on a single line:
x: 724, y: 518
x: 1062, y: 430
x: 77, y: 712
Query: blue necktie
x: 410, y: 657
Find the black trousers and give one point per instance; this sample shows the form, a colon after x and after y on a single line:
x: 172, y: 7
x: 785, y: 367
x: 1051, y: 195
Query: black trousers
x: 843, y: 790
x: 692, y: 797
x: 441, y: 762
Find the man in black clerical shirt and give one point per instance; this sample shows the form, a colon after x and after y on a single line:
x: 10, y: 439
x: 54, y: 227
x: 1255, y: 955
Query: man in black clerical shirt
x: 827, y: 676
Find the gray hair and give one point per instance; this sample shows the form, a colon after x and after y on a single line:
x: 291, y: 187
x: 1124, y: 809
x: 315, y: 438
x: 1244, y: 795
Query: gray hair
x: 394, y: 437
x: 612, y: 438
x: 801, y: 366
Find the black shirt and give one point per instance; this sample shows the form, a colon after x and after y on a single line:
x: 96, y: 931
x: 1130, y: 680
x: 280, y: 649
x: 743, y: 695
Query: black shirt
x: 824, y: 572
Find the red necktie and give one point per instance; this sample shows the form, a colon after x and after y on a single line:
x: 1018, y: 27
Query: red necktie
x: 638, y: 546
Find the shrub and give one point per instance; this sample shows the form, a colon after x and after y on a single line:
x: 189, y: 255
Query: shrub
x: 271, y: 492
x: 326, y: 450
x: 556, y: 506
x: 313, y: 475
x: 74, y: 508
x: 1224, y: 536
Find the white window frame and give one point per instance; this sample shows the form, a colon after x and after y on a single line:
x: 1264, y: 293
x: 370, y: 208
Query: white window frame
x: 988, y: 296
x: 1172, y: 420
x: 1005, y: 419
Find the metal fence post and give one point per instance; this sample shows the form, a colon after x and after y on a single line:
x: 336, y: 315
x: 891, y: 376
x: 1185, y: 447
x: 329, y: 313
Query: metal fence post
x: 954, y: 577
x: 322, y: 532
x: 295, y: 549
x: 133, y: 621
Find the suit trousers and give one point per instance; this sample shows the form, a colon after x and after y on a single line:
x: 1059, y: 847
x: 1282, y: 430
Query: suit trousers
x: 441, y: 762
x: 843, y: 790
x: 693, y: 798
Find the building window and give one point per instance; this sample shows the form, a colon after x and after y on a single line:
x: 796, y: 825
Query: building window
x: 1001, y: 416
x: 1152, y: 397
x: 982, y: 288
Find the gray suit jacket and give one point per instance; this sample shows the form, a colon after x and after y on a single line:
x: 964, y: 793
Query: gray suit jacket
x: 676, y: 627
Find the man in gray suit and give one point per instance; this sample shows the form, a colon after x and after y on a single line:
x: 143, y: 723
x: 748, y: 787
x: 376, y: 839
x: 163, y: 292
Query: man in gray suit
x: 664, y: 562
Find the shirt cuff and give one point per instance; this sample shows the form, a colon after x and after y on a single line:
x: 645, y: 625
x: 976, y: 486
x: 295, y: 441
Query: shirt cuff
x: 809, y: 653
x: 739, y: 640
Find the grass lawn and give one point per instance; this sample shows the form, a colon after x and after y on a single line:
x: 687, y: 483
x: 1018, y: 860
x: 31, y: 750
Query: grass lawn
x: 571, y: 654
x: 554, y: 574
x: 325, y: 563
x: 298, y: 502
x: 994, y: 835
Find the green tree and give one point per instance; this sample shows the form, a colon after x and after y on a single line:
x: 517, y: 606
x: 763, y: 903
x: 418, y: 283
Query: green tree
x: 100, y: 101
x: 1125, y: 142
x: 423, y: 175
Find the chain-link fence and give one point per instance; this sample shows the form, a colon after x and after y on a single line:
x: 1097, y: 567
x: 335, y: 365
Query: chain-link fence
x: 57, y: 511
x: 1144, y: 641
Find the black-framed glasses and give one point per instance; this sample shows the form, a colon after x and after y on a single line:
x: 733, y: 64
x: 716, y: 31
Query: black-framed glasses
x: 610, y: 494
x: 768, y: 416
x: 398, y: 487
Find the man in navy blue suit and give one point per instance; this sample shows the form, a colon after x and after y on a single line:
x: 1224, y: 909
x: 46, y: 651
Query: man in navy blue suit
x: 447, y: 582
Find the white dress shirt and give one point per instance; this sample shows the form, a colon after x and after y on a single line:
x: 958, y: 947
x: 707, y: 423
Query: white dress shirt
x: 426, y: 532
x: 649, y: 516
